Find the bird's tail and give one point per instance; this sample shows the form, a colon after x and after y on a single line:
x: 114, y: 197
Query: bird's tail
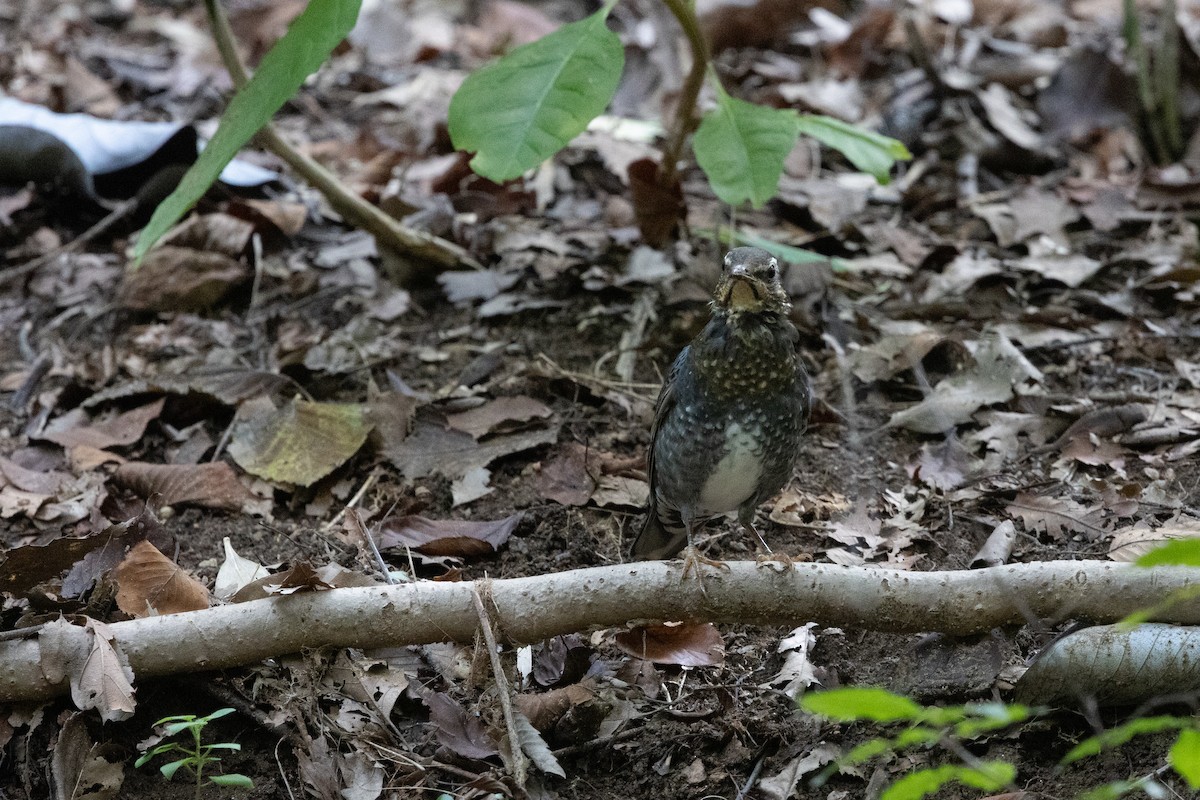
x: 658, y: 540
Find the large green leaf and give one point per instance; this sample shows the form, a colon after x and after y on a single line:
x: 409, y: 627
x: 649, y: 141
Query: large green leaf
x: 306, y: 45
x: 870, y: 152
x: 517, y: 112
x: 741, y: 147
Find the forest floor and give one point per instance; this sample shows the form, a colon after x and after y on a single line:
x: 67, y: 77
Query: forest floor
x: 1003, y: 342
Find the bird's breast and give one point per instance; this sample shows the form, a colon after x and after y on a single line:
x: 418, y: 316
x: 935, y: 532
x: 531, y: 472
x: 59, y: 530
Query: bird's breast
x: 736, y: 476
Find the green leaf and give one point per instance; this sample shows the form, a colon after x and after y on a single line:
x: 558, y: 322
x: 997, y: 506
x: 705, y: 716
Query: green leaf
x: 220, y: 712
x: 1122, y: 734
x: 177, y: 727
x: 517, y: 112
x: 1180, y: 552
x: 851, y: 704
x: 306, y: 45
x: 223, y: 746
x: 741, y: 147
x: 1114, y: 790
x: 169, y: 770
x: 869, y: 151
x: 921, y: 783
x: 233, y: 779
x: 990, y: 776
x: 1185, y: 757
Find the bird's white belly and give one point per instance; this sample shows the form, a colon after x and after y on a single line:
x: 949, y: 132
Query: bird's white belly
x: 735, y: 478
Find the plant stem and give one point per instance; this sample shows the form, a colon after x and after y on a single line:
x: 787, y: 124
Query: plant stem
x: 685, y: 122
x: 356, y: 211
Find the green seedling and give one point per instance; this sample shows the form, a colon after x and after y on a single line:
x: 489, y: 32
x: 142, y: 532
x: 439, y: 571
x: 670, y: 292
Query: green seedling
x: 195, y: 757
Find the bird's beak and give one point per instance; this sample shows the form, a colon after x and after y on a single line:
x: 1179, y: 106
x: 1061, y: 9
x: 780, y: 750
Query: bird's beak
x: 742, y: 293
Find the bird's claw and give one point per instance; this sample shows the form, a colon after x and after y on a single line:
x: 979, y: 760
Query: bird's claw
x: 779, y: 562
x: 694, y: 562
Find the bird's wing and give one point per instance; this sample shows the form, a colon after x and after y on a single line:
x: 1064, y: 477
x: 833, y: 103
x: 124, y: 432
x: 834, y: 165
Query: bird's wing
x: 662, y: 407
x: 654, y: 540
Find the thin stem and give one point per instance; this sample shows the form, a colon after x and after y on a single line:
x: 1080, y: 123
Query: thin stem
x: 684, y: 123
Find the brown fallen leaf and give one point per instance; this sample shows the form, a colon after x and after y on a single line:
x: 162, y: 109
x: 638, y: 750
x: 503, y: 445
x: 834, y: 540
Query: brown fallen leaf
x: 486, y: 418
x: 149, y: 583
x: 546, y: 709
x: 72, y: 429
x: 564, y: 477
x: 446, y: 537
x: 181, y: 279
x: 685, y: 644
x: 432, y: 448
x: 458, y: 730
x: 1058, y: 516
x: 81, y: 767
x: 24, y: 567
x: 213, y: 485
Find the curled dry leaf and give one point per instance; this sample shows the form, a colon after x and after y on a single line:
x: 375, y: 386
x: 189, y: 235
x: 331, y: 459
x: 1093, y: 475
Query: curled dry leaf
x: 299, y: 443
x: 213, y: 485
x: 235, y: 572
x: 448, y: 537
x: 682, y: 643
x: 98, y: 671
x: 149, y: 583
x: 545, y: 709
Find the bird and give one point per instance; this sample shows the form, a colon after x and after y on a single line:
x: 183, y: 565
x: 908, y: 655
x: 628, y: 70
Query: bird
x: 729, y: 418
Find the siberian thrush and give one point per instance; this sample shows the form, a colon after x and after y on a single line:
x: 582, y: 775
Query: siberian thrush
x: 729, y: 418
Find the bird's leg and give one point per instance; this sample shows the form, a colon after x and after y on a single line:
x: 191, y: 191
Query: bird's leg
x: 765, y: 555
x: 693, y: 561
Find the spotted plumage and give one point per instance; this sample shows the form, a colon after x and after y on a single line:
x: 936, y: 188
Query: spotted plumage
x: 728, y: 421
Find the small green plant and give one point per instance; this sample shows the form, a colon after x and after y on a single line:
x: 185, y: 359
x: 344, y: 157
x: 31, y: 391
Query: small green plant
x: 925, y: 726
x: 196, y: 756
x: 948, y: 728
x: 526, y: 106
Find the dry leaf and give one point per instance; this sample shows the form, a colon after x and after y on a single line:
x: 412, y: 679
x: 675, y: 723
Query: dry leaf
x: 212, y: 485
x: 488, y: 417
x: 685, y: 644
x: 299, y: 443
x: 447, y: 537
x: 149, y: 583
x: 71, y: 429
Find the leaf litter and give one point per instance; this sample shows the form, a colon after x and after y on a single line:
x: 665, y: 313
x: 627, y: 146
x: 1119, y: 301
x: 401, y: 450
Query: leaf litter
x: 1018, y: 323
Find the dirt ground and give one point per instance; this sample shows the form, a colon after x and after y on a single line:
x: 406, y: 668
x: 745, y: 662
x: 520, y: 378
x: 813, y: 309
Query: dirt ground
x: 1049, y: 275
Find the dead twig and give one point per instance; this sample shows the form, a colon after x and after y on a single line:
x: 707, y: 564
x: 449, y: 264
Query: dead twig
x: 389, y: 232
x: 518, y: 763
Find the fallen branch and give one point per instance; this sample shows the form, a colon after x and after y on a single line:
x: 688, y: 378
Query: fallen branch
x: 535, y: 608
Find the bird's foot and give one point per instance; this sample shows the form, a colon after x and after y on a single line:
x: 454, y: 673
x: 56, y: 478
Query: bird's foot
x: 693, y: 561
x: 779, y: 562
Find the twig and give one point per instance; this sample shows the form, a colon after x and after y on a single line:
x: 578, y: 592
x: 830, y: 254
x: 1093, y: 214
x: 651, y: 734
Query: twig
x: 116, y: 215
x: 356, y: 211
x: 519, y: 765
x: 631, y: 340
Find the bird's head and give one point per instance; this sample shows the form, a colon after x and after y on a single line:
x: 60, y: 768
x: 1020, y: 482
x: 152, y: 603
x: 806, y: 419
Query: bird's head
x: 750, y: 283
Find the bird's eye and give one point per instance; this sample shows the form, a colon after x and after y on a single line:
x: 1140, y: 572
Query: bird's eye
x: 773, y: 269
